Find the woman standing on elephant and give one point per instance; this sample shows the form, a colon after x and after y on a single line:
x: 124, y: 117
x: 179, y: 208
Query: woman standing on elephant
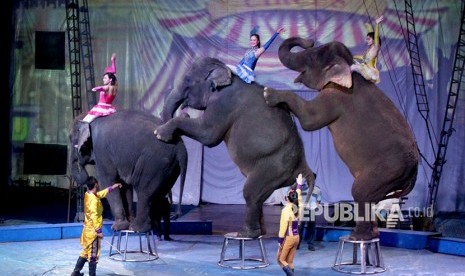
x: 289, y: 228
x: 93, y: 222
x: 108, y: 93
x: 245, y: 68
x: 366, y: 64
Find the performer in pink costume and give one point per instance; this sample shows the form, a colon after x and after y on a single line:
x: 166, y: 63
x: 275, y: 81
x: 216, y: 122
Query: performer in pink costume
x: 108, y: 93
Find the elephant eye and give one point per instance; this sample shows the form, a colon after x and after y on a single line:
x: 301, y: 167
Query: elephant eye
x: 212, y: 86
x: 187, y: 80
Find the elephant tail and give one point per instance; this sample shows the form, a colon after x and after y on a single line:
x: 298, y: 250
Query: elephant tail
x: 181, y: 156
x: 310, y: 177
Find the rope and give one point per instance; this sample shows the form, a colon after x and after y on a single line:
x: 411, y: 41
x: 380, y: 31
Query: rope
x: 387, y: 57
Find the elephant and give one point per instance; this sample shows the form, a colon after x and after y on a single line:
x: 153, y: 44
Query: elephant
x: 262, y: 141
x: 123, y: 150
x: 369, y: 133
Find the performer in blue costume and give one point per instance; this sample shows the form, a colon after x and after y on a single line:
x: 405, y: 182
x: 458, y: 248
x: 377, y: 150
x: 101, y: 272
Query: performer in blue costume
x: 245, y: 68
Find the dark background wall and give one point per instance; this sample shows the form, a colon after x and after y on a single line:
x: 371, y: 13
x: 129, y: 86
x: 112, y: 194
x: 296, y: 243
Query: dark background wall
x: 6, y: 27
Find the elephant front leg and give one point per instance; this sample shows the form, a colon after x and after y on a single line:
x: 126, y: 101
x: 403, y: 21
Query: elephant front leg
x: 117, y: 209
x: 166, y: 131
x: 272, y: 96
x: 314, y: 114
x: 209, y: 129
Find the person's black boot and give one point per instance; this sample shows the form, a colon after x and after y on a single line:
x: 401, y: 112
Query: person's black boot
x: 79, y: 265
x: 92, y: 268
x: 288, y: 271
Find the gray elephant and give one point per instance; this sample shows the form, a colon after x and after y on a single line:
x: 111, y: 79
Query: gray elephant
x: 123, y: 150
x: 370, y: 135
x: 262, y: 141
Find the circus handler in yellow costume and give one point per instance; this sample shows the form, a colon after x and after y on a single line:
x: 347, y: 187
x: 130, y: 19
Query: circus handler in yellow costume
x: 366, y: 64
x: 93, y: 222
x: 289, y: 238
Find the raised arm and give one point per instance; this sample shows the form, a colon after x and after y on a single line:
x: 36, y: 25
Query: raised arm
x: 112, y: 68
x: 378, y: 21
x: 300, y: 182
x: 268, y: 43
x: 373, y: 52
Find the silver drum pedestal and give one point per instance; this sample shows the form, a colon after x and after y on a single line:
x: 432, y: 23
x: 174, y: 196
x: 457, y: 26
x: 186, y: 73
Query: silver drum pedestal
x: 370, y: 262
x: 242, y: 262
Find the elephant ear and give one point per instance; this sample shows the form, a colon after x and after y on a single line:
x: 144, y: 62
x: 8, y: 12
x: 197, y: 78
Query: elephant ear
x: 84, y: 141
x: 338, y: 71
x: 219, y: 74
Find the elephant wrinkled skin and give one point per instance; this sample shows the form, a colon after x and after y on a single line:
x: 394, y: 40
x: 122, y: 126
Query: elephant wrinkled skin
x: 123, y: 150
x: 370, y: 135
x: 262, y: 141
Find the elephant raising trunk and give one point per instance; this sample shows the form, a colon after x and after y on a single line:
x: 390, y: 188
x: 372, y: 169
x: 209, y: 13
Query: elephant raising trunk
x: 370, y: 134
x: 294, y: 61
x: 318, y: 65
x: 171, y: 104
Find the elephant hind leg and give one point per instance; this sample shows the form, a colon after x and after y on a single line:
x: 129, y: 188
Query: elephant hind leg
x: 408, y: 180
x: 262, y: 223
x: 253, y: 222
x: 364, y: 231
x: 368, y: 189
x: 257, y: 189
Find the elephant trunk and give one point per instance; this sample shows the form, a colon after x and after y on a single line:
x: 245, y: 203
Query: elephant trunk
x: 77, y: 170
x: 172, y: 101
x: 294, y: 61
x: 76, y: 162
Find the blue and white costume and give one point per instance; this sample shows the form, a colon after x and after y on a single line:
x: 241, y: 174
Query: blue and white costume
x: 245, y: 68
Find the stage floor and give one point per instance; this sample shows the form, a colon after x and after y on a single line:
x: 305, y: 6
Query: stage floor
x: 199, y: 254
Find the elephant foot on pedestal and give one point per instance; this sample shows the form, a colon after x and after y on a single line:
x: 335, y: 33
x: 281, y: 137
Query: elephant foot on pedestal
x: 142, y: 228
x: 120, y: 225
x: 249, y: 233
x: 364, y: 231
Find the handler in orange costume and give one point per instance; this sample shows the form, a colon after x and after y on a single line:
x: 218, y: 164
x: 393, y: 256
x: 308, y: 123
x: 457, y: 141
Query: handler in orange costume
x: 289, y: 228
x: 93, y: 222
